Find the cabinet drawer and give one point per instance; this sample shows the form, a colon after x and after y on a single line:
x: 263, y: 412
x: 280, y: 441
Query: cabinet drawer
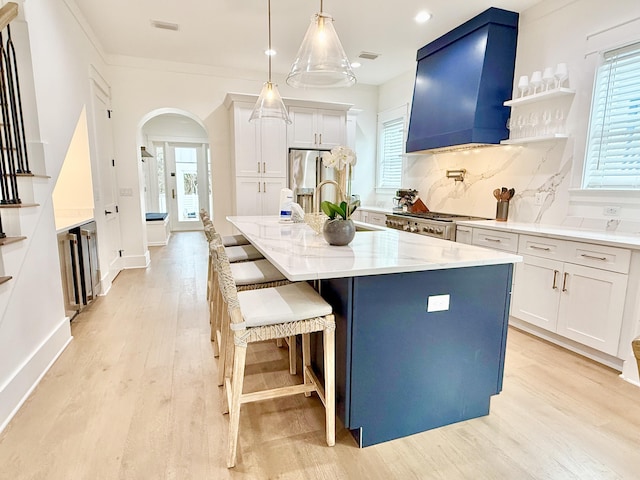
x: 377, y: 218
x: 599, y: 256
x: 505, y: 241
x: 543, y: 247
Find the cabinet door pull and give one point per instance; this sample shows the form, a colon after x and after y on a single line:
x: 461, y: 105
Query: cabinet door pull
x: 264, y: 187
x: 264, y: 167
x: 320, y: 139
x: 462, y: 229
x: 258, y: 167
x: 593, y: 257
x: 315, y: 138
x: 258, y: 187
x: 555, y: 279
x: 535, y: 247
x: 564, y: 282
x: 497, y: 240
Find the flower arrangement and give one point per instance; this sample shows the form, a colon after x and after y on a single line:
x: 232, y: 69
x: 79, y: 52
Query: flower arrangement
x: 342, y: 159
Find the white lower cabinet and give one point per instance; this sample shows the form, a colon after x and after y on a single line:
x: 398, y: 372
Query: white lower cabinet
x: 258, y: 195
x: 576, y: 301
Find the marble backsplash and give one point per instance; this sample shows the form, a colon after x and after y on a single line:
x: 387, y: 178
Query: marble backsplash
x: 539, y: 173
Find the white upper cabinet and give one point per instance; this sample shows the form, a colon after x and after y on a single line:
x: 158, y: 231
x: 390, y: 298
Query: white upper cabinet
x: 259, y: 148
x: 316, y: 128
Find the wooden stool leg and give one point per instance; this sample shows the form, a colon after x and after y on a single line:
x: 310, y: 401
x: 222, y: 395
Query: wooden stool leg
x: 237, y: 380
x: 292, y: 355
x: 225, y: 338
x: 330, y: 384
x: 279, y: 343
x: 306, y: 360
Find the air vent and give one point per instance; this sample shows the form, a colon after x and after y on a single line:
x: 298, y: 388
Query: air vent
x: 164, y: 25
x: 368, y: 55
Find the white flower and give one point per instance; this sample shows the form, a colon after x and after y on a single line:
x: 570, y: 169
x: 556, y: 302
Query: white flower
x: 340, y: 157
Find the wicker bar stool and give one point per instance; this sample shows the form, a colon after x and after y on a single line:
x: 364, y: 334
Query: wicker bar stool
x: 247, y: 276
x: 227, y: 240
x: 271, y: 313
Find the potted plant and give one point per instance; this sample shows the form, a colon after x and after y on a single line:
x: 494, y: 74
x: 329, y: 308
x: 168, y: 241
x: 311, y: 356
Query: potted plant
x: 339, y: 229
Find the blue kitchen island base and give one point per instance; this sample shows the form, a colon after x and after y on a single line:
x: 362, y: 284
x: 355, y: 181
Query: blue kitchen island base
x: 417, y: 350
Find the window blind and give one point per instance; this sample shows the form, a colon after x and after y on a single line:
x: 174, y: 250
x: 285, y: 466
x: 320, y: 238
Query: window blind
x: 613, y: 148
x: 392, y: 148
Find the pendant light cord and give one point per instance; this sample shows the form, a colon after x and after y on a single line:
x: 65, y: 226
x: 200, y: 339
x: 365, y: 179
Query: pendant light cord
x: 269, y: 29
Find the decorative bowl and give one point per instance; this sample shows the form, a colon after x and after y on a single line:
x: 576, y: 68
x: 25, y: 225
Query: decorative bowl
x: 315, y: 221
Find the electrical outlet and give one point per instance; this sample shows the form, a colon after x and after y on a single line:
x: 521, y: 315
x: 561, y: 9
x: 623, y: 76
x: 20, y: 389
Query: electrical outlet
x: 611, y: 211
x: 540, y: 198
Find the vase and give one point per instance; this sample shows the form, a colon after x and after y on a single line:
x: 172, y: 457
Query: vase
x: 339, y: 231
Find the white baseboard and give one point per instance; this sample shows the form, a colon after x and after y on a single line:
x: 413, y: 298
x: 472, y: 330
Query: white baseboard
x: 137, y: 261
x: 17, y: 389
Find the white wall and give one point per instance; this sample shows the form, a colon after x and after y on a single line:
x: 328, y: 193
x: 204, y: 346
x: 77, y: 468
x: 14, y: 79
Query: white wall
x: 551, y: 32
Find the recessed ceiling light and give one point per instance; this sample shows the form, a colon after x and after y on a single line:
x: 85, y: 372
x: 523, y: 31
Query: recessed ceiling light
x: 270, y: 52
x: 164, y: 25
x: 422, y: 17
x: 356, y: 64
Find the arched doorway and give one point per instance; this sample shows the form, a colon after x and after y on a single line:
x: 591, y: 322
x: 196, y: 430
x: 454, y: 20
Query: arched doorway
x: 175, y: 167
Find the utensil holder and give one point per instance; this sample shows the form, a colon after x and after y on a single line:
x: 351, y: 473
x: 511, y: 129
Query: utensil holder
x: 502, y: 211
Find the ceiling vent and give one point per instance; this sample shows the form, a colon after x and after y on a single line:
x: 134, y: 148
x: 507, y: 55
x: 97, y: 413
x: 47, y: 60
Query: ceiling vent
x: 368, y: 55
x: 164, y: 25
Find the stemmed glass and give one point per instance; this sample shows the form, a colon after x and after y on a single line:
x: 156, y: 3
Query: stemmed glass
x: 533, y: 123
x: 561, y: 74
x: 510, y: 126
x: 521, y: 122
x: 536, y: 80
x: 548, y: 78
x: 558, y: 117
x: 546, y: 121
x: 523, y: 85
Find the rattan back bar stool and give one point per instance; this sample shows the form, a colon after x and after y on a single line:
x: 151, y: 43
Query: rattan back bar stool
x: 271, y: 313
x: 227, y: 240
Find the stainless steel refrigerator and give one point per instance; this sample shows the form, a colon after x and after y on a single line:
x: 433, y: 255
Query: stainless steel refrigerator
x: 305, y: 172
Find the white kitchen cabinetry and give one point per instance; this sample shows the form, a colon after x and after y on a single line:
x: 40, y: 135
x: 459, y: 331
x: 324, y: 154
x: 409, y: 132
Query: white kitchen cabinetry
x: 374, y: 218
x: 259, y: 148
x: 259, y: 155
x: 576, y: 290
x: 316, y: 128
x: 464, y: 234
x: 258, y: 196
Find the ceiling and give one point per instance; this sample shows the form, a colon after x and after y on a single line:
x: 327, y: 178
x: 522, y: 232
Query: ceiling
x: 233, y: 33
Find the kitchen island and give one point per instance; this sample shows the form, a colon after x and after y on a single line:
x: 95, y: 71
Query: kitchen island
x: 421, y: 323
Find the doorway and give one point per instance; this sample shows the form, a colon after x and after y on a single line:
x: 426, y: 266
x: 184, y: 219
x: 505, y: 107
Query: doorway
x: 177, y: 174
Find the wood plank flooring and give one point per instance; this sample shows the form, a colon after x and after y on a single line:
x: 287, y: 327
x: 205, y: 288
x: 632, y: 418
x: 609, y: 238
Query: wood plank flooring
x: 134, y: 396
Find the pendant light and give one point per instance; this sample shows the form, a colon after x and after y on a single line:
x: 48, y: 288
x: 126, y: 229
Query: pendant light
x: 321, y: 61
x: 270, y: 104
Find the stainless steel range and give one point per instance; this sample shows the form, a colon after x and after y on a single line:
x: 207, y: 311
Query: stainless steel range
x: 432, y: 224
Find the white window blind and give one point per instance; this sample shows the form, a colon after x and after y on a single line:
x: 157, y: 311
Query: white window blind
x: 613, y: 148
x: 391, y: 138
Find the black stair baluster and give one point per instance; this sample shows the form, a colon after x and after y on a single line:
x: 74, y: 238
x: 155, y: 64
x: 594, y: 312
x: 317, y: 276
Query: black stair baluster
x: 16, y: 107
x: 10, y: 155
x: 2, y: 234
x: 4, y: 184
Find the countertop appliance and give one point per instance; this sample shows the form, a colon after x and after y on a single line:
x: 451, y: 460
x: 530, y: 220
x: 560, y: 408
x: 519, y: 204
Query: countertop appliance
x: 305, y: 171
x: 462, y: 80
x: 432, y: 224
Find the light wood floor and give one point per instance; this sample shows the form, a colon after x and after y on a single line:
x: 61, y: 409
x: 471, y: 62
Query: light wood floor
x: 134, y: 397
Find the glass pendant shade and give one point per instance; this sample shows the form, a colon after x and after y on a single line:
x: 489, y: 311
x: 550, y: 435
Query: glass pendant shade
x: 270, y: 105
x: 321, y: 61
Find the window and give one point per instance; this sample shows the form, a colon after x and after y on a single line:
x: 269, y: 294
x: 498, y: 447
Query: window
x: 613, y: 144
x: 391, y: 141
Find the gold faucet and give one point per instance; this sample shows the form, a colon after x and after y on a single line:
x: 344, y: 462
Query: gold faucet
x: 316, y: 194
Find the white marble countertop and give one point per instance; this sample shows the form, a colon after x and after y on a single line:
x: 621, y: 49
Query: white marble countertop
x: 300, y: 254
x: 613, y: 239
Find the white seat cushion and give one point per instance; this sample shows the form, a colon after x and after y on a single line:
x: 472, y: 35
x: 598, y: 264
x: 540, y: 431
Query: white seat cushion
x: 260, y: 271
x: 242, y: 253
x: 288, y: 303
x: 234, y: 240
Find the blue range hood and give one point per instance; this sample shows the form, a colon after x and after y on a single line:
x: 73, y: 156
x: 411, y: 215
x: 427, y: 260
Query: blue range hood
x: 462, y: 80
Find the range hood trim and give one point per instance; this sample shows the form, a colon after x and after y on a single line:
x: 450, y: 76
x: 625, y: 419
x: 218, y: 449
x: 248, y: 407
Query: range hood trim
x: 490, y: 86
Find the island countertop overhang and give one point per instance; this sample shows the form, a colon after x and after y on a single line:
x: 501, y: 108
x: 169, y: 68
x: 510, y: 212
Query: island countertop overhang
x: 300, y: 254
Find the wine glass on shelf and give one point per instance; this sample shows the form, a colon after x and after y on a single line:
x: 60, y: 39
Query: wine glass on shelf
x: 510, y: 126
x: 534, y: 120
x: 548, y: 78
x: 558, y: 118
x: 561, y: 74
x: 522, y: 123
x: 523, y: 85
x: 536, y: 80
x: 546, y: 122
